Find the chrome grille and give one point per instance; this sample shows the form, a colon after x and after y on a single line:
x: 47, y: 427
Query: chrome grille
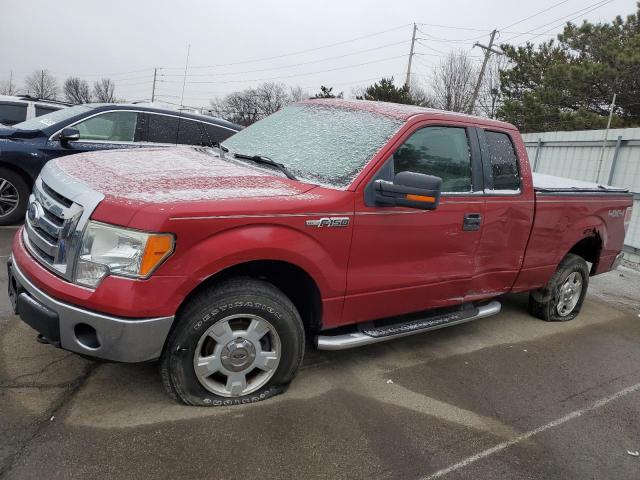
x: 50, y: 228
x: 59, y: 209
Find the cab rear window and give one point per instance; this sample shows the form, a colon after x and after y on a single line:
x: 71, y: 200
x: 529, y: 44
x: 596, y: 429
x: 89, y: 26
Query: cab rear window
x: 503, y: 161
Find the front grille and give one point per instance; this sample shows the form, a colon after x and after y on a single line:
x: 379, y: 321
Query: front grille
x: 50, y: 228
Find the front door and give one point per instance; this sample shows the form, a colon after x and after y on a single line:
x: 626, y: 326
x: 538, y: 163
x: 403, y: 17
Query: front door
x: 405, y: 260
x: 104, y: 131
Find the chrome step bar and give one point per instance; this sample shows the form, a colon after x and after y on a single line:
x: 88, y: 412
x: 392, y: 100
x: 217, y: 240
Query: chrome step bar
x: 360, y: 338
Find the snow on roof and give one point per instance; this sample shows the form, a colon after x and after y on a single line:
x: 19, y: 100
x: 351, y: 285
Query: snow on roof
x: 399, y: 111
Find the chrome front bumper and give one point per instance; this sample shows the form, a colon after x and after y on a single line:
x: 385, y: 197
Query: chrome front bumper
x: 90, y: 333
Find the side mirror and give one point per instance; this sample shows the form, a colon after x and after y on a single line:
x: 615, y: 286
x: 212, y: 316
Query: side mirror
x: 409, y: 189
x: 69, y: 134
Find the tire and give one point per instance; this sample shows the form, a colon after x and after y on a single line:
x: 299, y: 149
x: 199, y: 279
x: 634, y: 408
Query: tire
x: 548, y: 302
x: 227, y: 331
x: 12, y: 186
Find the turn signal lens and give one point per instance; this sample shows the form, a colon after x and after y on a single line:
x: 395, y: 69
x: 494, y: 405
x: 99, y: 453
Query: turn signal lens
x: 157, y: 249
x: 420, y: 198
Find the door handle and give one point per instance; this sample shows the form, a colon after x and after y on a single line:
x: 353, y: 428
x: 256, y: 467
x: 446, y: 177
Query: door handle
x: 471, y: 222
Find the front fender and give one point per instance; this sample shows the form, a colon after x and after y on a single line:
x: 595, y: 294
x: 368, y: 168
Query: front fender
x: 324, y: 259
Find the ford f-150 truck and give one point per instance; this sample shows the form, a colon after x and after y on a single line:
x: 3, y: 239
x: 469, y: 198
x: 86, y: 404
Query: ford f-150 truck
x: 342, y: 223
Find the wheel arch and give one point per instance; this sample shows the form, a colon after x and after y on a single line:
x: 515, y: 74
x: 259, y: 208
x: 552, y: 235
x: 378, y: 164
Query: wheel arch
x: 19, y: 171
x: 295, y: 282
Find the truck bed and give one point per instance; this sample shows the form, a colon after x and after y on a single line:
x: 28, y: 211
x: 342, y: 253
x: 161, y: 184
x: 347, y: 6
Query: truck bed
x: 550, y: 183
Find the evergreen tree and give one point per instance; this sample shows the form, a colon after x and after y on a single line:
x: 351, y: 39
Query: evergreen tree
x: 569, y: 84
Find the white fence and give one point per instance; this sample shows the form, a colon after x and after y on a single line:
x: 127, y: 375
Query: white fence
x: 580, y: 155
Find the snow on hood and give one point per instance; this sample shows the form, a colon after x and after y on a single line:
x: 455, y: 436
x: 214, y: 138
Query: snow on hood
x: 180, y: 174
x: 549, y: 182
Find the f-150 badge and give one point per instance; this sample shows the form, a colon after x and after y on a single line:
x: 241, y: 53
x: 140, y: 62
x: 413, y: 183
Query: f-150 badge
x: 328, y: 222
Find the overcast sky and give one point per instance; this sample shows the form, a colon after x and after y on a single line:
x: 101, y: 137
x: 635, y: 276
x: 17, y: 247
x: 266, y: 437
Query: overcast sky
x: 126, y: 39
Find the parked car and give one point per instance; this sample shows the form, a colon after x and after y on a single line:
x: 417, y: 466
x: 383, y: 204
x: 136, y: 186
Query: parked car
x: 27, y: 146
x: 345, y: 222
x: 16, y: 109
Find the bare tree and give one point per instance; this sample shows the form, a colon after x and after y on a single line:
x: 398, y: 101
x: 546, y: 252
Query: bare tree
x: 104, y: 91
x: 297, y: 94
x: 77, y: 90
x: 248, y: 106
x: 489, y: 97
x: 453, y: 82
x: 238, y: 107
x: 271, y: 97
x: 42, y: 84
x: 7, y: 87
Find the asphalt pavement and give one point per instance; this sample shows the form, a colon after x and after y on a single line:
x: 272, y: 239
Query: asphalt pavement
x: 505, y: 397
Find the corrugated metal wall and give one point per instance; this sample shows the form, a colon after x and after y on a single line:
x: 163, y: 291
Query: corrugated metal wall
x: 579, y: 155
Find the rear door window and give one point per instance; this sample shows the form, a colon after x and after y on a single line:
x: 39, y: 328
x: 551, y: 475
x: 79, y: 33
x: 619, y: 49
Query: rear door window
x: 109, y: 127
x: 12, y: 113
x: 440, y: 151
x: 161, y: 128
x: 190, y: 133
x: 503, y: 161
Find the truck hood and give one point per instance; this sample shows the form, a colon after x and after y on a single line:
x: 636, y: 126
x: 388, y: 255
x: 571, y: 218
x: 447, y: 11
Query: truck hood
x: 174, y: 175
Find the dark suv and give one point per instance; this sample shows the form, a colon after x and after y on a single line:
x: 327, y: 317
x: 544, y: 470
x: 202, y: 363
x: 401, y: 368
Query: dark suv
x: 27, y: 146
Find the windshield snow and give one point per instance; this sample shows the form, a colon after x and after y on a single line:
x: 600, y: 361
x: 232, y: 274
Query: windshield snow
x: 52, y: 118
x: 320, y: 144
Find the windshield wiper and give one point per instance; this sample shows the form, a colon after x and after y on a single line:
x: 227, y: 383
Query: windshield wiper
x: 266, y: 161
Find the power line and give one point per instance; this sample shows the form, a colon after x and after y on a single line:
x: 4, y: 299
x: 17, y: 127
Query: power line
x: 297, y: 74
x: 535, y: 14
x: 564, y: 22
x: 290, y: 65
x: 580, y: 12
x: 299, y: 52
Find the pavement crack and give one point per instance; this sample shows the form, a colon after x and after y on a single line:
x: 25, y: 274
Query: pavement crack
x: 44, y: 420
x: 39, y: 372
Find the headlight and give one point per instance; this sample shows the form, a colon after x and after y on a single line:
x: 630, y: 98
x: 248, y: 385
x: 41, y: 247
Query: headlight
x: 108, y: 250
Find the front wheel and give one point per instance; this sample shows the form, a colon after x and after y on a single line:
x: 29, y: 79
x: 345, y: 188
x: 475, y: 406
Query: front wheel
x: 240, y: 342
x: 561, y: 298
x: 14, y: 194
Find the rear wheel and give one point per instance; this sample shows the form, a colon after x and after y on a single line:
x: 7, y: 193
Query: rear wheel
x: 240, y: 342
x: 14, y: 194
x: 561, y: 298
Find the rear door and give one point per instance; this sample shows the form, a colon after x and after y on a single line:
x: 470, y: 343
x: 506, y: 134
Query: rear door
x: 508, y: 214
x: 405, y: 260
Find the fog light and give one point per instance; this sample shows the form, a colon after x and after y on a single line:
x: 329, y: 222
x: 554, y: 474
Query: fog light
x: 86, y: 335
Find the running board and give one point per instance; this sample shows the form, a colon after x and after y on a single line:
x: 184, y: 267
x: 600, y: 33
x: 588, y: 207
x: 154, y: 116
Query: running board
x: 371, y: 335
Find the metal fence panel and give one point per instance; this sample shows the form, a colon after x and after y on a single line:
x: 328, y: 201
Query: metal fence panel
x: 580, y: 155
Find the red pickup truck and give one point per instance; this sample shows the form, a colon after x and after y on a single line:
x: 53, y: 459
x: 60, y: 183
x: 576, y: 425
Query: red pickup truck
x: 340, y: 222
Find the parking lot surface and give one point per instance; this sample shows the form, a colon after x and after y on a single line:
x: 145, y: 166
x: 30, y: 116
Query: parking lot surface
x: 504, y: 397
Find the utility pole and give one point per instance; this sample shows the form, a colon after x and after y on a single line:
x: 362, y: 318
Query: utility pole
x: 487, y: 53
x: 604, y: 137
x: 184, y: 81
x: 153, y: 90
x: 413, y: 42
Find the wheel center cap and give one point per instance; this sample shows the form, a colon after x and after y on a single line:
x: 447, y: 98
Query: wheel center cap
x: 238, y: 354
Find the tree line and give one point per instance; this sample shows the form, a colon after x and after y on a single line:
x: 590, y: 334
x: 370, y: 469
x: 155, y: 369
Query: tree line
x: 42, y: 84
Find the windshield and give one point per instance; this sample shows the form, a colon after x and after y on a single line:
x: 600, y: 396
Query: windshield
x: 321, y: 144
x: 52, y: 118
